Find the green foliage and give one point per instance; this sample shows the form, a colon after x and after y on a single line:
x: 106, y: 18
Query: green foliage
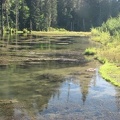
x: 101, y: 59
x: 100, y: 36
x: 72, y: 15
x: 112, y: 25
x: 95, y: 32
x: 108, y: 32
x: 24, y: 15
x: 111, y: 73
x: 25, y: 30
x: 109, y: 35
x: 90, y: 51
x: 111, y: 42
x: 116, y: 36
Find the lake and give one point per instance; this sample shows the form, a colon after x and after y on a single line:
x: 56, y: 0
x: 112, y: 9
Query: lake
x: 47, y: 78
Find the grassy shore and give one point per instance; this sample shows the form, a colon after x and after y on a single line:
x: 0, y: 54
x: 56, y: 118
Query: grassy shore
x: 60, y: 33
x: 111, y: 73
x: 110, y: 68
x: 109, y: 52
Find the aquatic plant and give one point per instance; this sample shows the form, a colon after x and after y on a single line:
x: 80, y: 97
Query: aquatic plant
x: 90, y: 51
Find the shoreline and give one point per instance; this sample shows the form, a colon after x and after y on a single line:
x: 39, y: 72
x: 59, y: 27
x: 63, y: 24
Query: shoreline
x: 60, y: 33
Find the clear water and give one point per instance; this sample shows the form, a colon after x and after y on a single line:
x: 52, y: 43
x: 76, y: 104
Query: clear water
x: 58, y: 88
x: 100, y: 102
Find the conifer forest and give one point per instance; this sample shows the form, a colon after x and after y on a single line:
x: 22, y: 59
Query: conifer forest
x: 72, y: 15
x: 59, y: 59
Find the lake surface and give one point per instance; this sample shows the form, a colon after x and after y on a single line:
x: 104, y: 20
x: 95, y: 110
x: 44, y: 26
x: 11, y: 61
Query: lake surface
x: 46, y: 78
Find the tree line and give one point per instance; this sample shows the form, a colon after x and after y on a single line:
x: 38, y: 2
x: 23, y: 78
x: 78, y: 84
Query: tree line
x: 40, y: 15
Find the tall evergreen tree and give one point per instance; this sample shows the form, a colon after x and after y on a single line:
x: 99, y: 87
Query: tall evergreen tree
x: 35, y: 14
x: 53, y: 13
x: 23, y: 15
x: 74, y: 15
x: 48, y: 14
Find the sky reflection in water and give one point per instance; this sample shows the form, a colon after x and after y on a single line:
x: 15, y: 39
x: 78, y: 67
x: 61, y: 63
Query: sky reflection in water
x: 36, y: 96
x: 98, y: 102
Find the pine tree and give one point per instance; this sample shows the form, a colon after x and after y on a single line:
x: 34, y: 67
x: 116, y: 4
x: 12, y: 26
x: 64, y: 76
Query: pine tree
x: 53, y: 13
x: 35, y: 14
x: 24, y: 15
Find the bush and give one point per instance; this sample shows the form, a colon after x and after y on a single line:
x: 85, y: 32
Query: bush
x: 25, y: 30
x: 112, y: 25
x: 102, y: 37
x: 108, y: 31
x: 95, y: 32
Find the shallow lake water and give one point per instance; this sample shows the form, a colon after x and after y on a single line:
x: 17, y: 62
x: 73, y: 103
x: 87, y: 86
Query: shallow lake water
x: 46, y: 78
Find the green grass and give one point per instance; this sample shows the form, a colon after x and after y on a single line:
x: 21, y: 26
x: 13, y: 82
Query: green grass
x: 101, y: 59
x: 109, y: 54
x: 90, y: 51
x: 60, y: 33
x: 111, y: 73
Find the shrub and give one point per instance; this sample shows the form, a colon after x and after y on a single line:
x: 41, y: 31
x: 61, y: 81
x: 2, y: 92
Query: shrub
x: 95, y: 32
x: 25, y: 30
x: 99, y: 36
x: 112, y: 25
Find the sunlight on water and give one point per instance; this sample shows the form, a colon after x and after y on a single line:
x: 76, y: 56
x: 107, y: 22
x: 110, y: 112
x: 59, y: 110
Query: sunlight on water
x: 52, y: 83
x: 71, y: 100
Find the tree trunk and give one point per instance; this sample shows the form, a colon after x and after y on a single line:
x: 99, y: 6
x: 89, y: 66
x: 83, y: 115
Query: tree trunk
x: 16, y: 8
x: 83, y: 24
